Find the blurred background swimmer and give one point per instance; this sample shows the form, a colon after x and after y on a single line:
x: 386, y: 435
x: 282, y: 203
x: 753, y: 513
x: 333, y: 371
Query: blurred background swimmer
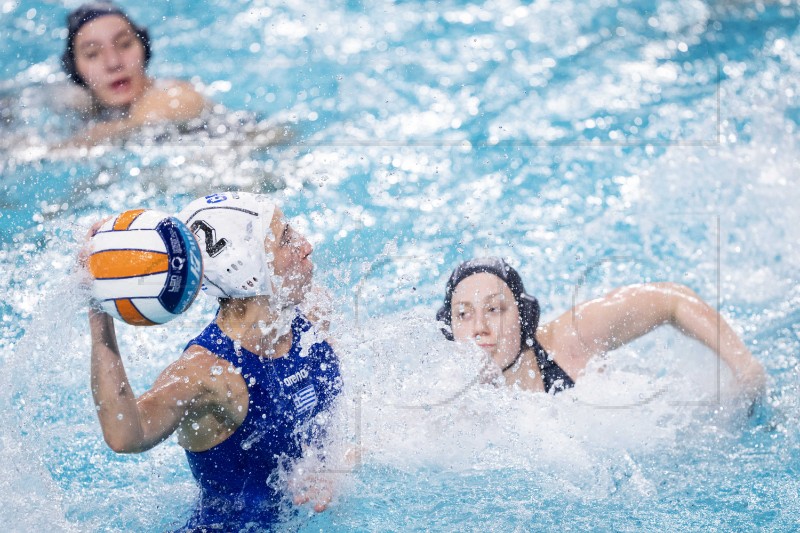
x: 245, y: 395
x: 485, y: 302
x: 107, y: 55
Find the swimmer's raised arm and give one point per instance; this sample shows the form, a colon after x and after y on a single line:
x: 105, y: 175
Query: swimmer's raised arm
x: 113, y: 397
x: 183, y: 392
x: 131, y: 425
x: 628, y: 313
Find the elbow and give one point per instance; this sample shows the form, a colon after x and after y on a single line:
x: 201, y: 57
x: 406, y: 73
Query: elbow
x: 679, y: 300
x: 122, y: 445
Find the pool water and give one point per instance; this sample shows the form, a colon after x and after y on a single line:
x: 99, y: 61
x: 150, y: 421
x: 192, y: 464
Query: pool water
x: 592, y: 144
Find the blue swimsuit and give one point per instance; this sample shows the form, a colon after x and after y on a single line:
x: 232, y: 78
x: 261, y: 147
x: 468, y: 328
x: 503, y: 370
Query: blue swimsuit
x: 286, y: 394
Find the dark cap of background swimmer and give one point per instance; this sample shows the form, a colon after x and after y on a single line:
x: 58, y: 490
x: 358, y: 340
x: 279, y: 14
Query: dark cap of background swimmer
x: 85, y: 14
x: 528, y: 305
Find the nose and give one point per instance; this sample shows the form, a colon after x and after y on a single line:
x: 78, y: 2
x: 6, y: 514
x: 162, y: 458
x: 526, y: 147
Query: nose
x: 112, y: 59
x: 480, y: 325
x: 304, y: 247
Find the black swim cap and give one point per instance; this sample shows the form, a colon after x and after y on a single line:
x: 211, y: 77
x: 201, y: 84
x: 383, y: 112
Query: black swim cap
x: 84, y: 14
x: 528, y: 305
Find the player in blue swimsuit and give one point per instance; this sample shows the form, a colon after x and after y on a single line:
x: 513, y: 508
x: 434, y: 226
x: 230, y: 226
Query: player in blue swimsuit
x: 248, y: 393
x: 485, y: 302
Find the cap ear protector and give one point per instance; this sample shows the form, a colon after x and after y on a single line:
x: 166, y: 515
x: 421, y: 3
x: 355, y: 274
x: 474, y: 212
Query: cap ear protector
x: 527, y: 305
x: 82, y: 16
x: 231, y: 229
x: 443, y: 315
x: 529, y: 318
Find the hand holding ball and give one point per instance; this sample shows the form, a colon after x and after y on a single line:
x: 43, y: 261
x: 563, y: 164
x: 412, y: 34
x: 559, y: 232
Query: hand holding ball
x: 146, y: 266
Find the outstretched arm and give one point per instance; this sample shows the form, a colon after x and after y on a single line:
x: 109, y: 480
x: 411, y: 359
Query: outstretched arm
x: 629, y: 312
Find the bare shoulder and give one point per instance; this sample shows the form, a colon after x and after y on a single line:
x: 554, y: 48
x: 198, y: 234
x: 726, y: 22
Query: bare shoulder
x: 176, y: 88
x: 169, y: 100
x: 204, y: 372
x: 561, y: 341
x: 197, y: 359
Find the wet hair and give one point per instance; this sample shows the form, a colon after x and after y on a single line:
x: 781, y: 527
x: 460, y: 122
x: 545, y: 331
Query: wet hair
x: 85, y: 14
x: 528, y: 305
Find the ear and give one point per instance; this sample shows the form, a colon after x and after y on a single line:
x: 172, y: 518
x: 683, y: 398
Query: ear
x: 68, y: 64
x: 529, y: 313
x: 443, y: 315
x: 144, y: 37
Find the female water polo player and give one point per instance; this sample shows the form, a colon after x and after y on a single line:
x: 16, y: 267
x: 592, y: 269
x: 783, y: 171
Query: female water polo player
x: 245, y: 394
x: 106, y: 54
x: 485, y: 301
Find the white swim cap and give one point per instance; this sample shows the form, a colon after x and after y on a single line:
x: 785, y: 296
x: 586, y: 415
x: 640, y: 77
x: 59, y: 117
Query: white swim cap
x: 231, y: 228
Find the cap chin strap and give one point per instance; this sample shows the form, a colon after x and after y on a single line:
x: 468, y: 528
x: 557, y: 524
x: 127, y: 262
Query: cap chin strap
x: 514, y: 362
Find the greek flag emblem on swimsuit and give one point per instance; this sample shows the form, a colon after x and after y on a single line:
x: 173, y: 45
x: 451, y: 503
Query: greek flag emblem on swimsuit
x: 305, y: 399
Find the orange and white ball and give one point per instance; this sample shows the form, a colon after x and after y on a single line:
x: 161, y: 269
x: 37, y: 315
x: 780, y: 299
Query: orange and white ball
x: 147, y: 267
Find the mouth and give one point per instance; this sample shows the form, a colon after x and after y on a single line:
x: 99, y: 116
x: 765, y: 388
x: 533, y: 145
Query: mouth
x: 306, y: 261
x: 120, y: 85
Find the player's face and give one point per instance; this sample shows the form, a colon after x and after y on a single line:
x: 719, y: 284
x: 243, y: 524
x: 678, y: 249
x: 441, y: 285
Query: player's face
x: 291, y: 257
x: 483, y: 310
x: 110, y: 58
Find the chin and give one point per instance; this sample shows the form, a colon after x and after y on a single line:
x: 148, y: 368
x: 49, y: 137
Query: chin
x: 124, y: 99
x: 114, y: 101
x: 297, y: 294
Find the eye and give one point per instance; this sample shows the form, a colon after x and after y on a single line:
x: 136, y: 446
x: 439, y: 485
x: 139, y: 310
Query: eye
x: 286, y: 236
x: 496, y: 309
x: 126, y: 43
x: 461, y: 313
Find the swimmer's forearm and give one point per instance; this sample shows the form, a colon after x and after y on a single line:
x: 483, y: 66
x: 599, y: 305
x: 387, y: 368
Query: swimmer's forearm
x: 698, y: 320
x: 113, y: 398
